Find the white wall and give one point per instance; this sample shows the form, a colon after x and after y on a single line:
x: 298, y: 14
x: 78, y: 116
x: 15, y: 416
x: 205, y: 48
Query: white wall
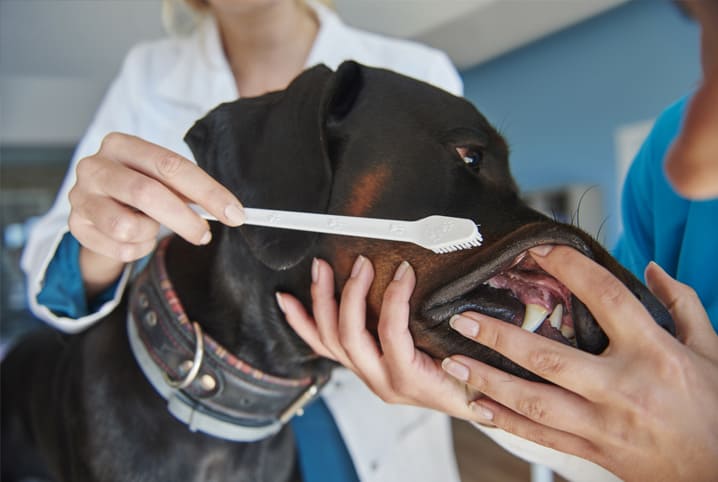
x: 57, y: 58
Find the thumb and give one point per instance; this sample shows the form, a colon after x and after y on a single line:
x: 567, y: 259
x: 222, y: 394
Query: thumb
x: 692, y: 322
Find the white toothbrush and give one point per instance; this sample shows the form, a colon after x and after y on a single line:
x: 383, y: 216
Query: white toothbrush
x: 441, y: 234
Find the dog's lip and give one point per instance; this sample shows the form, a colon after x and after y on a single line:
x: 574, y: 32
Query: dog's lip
x: 497, y: 262
x: 472, y: 292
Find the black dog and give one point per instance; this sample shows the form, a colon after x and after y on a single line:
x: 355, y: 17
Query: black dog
x: 359, y: 141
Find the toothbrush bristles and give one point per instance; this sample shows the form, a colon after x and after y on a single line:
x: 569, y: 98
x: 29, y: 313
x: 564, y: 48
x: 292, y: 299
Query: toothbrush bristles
x: 472, y: 243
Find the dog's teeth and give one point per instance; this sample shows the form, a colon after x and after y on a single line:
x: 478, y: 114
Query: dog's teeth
x: 568, y: 331
x: 518, y: 259
x: 556, y: 316
x: 534, y: 316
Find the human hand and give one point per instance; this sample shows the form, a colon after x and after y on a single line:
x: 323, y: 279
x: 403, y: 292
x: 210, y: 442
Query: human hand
x: 656, y: 420
x: 125, y: 191
x: 645, y: 408
x: 396, y: 371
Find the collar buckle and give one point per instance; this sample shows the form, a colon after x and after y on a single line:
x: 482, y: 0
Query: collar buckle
x: 193, y: 366
x: 297, y: 406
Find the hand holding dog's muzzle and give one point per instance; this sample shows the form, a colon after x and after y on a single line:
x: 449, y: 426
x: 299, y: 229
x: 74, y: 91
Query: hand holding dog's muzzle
x: 595, y: 407
x: 642, y: 408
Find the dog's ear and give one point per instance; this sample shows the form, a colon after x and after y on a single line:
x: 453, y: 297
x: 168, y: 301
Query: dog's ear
x: 271, y: 152
x: 341, y: 93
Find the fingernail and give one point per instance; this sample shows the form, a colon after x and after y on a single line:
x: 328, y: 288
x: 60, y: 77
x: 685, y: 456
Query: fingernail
x: 542, y: 250
x: 455, y: 369
x: 401, y: 270
x: 279, y: 301
x: 357, y: 266
x: 315, y: 270
x: 481, y: 411
x: 465, y: 326
x: 206, y: 238
x: 658, y: 266
x: 234, y: 213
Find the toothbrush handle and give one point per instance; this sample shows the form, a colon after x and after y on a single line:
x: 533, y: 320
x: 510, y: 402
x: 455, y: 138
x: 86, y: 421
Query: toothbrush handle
x: 389, y: 229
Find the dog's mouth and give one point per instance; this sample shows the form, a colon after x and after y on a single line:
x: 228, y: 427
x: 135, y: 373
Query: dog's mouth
x: 515, y: 289
x: 544, y: 302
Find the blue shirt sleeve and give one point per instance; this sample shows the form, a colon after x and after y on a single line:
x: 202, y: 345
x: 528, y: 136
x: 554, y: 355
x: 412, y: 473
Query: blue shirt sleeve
x: 63, y: 291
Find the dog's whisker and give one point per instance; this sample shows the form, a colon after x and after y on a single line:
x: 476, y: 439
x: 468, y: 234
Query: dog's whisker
x: 580, y: 202
x: 600, y: 227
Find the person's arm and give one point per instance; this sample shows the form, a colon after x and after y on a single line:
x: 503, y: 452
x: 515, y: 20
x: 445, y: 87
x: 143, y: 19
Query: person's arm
x: 114, y: 114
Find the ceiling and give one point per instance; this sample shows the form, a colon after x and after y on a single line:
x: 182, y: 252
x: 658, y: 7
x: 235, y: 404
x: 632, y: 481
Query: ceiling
x: 470, y: 31
x: 57, y: 57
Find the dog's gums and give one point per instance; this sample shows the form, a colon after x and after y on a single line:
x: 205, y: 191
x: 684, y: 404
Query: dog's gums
x: 546, y: 302
x: 519, y: 292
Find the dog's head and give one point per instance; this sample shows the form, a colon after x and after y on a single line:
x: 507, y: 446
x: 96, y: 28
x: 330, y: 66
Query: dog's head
x: 368, y: 142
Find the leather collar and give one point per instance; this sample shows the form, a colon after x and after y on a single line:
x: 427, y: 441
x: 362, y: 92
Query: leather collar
x: 206, y: 386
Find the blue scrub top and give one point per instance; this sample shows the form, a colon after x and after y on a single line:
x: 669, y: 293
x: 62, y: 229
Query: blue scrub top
x: 679, y: 234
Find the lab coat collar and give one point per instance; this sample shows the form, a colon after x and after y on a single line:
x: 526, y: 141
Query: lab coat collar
x: 332, y: 42
x: 202, y: 78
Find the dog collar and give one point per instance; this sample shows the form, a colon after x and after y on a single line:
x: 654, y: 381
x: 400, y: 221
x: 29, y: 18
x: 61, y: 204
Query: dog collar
x: 205, y: 386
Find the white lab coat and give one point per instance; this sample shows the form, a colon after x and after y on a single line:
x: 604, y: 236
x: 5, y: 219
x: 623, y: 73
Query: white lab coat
x: 568, y: 466
x: 162, y: 89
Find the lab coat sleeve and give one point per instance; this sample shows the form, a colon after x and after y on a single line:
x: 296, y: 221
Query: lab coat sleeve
x: 114, y: 114
x: 444, y: 74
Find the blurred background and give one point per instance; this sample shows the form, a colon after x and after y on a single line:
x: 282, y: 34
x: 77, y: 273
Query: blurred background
x: 573, y: 85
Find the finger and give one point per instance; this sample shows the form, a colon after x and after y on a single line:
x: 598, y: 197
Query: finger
x: 324, y: 303
x: 546, y: 404
x: 486, y: 410
x: 359, y: 343
x: 303, y: 324
x: 568, y: 367
x: 153, y: 198
x: 400, y: 354
x: 393, y: 327
x: 692, y: 322
x: 94, y: 240
x: 115, y: 220
x: 326, y: 312
x: 413, y: 376
x: 612, y: 304
x: 177, y: 172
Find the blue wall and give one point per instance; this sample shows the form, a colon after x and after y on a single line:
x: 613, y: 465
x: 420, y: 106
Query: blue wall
x: 560, y: 100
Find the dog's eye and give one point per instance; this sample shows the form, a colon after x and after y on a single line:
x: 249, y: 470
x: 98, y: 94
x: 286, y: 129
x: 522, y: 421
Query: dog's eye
x: 471, y: 157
